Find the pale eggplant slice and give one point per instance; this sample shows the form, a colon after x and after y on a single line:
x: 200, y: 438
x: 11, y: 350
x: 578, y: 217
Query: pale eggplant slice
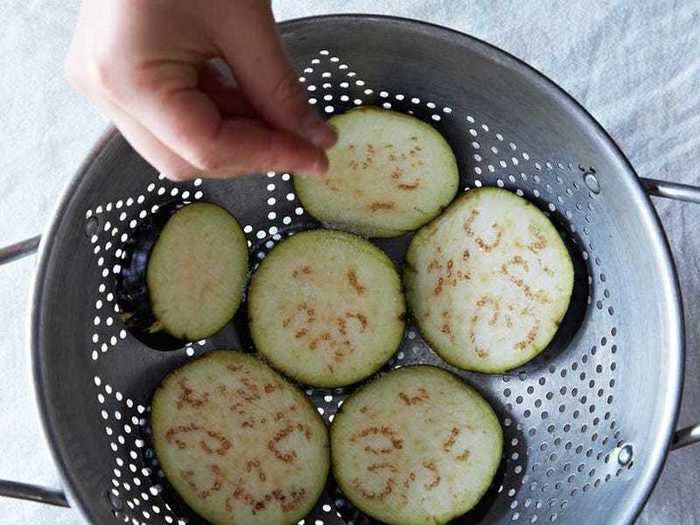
x: 326, y: 308
x: 184, y: 274
x: 238, y: 442
x: 389, y: 174
x: 489, y: 281
x: 416, y: 446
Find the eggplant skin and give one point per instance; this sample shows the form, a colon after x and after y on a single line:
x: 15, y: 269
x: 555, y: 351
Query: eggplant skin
x: 228, y: 415
x: 389, y: 174
x: 184, y: 274
x: 489, y: 281
x: 416, y: 446
x: 132, y: 290
x: 327, y: 308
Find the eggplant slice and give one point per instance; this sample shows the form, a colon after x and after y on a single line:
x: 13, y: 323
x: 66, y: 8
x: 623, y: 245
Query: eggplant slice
x: 238, y: 442
x: 489, y: 281
x: 326, y: 308
x: 184, y: 275
x: 389, y: 174
x: 417, y: 446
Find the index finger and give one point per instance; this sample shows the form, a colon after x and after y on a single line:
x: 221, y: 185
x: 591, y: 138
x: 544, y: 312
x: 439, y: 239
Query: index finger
x: 256, y: 54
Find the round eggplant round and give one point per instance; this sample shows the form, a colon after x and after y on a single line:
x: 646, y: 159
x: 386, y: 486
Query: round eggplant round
x: 389, y: 174
x: 417, y: 446
x: 489, y: 281
x: 326, y: 308
x: 183, y: 275
x: 238, y: 442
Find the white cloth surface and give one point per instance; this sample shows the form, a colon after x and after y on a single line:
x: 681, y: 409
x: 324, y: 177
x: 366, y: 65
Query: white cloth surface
x: 635, y: 64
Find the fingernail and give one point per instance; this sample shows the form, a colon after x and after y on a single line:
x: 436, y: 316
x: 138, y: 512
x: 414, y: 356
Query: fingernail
x: 223, y: 72
x: 321, y: 164
x: 317, y: 168
x: 319, y: 132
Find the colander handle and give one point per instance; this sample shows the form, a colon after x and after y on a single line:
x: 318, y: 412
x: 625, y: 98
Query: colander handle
x: 682, y: 192
x: 19, y: 250
x: 14, y: 489
x: 682, y: 438
x: 671, y: 190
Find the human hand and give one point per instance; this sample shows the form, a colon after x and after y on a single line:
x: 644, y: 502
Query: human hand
x: 147, y: 65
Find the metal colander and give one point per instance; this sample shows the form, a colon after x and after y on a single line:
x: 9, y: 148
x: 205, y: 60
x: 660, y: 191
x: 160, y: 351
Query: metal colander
x: 587, y: 424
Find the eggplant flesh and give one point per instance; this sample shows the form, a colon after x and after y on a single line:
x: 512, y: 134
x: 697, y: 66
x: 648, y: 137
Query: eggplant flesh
x: 326, y: 308
x: 389, y: 174
x: 238, y: 442
x: 183, y: 274
x: 417, y: 446
x: 489, y: 281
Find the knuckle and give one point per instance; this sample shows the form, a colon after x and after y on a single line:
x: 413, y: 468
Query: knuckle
x: 145, y: 80
x: 102, y: 77
x: 92, y: 73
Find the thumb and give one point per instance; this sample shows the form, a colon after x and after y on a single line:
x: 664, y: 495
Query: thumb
x: 259, y: 62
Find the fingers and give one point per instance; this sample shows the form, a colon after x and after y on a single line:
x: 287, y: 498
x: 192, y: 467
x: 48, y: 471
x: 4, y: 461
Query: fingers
x: 180, y: 130
x: 188, y: 122
x: 255, y: 145
x: 258, y: 148
x: 151, y: 149
x: 255, y: 52
x: 183, y: 118
x: 228, y: 98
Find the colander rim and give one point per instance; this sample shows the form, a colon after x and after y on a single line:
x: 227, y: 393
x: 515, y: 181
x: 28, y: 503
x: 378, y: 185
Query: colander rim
x: 676, y: 344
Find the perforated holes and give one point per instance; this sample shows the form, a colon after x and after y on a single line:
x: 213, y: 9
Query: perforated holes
x: 505, y: 179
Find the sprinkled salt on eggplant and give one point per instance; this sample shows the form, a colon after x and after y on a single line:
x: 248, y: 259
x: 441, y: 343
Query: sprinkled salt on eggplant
x: 389, y: 174
x: 184, y: 274
x: 238, y: 442
x: 416, y: 446
x: 489, y: 281
x: 326, y: 308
